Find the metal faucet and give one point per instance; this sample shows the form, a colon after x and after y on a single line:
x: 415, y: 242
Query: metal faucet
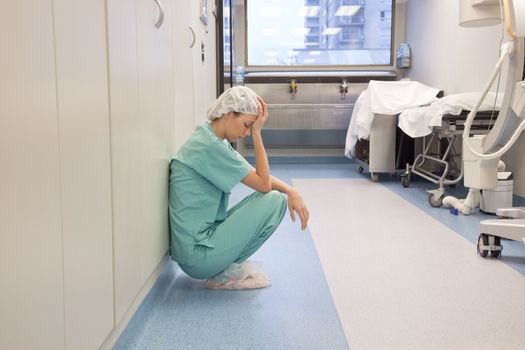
x: 343, y: 89
x: 293, y: 88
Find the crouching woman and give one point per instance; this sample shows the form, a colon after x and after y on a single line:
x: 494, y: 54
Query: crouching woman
x: 207, y: 240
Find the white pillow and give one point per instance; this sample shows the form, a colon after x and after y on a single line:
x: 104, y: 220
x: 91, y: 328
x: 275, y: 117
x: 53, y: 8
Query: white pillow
x: 467, y: 100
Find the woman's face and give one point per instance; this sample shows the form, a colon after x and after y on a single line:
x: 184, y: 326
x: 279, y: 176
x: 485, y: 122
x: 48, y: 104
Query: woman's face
x: 238, y: 126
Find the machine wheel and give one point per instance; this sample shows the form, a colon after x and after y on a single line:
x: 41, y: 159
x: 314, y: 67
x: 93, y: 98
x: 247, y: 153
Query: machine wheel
x: 359, y: 169
x: 496, y: 253
x: 374, y: 177
x: 405, y: 180
x: 435, y: 203
x: 483, y: 240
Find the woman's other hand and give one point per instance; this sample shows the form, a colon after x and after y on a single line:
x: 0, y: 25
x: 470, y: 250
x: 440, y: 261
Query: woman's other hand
x: 296, y: 205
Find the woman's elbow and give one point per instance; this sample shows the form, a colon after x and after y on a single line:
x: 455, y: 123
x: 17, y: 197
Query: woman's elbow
x: 268, y: 187
x: 265, y: 187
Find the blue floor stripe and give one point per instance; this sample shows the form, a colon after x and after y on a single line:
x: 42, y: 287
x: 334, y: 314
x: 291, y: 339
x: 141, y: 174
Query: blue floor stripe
x: 296, y: 312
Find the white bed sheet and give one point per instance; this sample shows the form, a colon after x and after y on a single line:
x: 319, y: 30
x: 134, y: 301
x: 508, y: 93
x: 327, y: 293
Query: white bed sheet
x: 419, y: 121
x: 384, y: 97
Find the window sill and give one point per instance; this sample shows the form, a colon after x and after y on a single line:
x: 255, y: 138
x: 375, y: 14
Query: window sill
x: 318, y: 76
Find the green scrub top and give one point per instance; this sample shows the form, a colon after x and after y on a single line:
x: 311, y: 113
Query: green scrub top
x: 202, y: 174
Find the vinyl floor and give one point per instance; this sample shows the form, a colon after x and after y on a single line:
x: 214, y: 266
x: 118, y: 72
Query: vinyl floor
x: 378, y: 268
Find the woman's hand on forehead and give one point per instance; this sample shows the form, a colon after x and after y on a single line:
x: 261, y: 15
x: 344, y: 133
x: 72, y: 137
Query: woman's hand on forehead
x: 262, y: 114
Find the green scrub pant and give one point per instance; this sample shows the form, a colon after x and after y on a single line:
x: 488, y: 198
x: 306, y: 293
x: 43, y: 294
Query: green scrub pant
x: 248, y: 225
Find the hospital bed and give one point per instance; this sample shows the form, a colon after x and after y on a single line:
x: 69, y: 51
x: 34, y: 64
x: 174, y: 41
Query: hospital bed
x: 373, y: 139
x: 440, y: 160
x: 385, y: 108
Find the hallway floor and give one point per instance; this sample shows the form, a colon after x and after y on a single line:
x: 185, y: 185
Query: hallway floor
x: 378, y: 268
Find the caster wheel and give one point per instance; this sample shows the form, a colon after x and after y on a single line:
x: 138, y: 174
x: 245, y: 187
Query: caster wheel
x: 374, y: 177
x: 483, y: 240
x: 359, y: 169
x: 435, y: 203
x: 405, y: 180
x: 496, y: 253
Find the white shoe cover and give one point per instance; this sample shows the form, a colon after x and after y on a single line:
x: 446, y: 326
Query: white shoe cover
x: 246, y: 275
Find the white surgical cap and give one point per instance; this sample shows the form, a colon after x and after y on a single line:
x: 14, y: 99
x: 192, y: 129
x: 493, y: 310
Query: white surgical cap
x: 236, y: 99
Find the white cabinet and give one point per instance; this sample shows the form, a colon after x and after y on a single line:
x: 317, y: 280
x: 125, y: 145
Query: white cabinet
x: 86, y: 134
x: 204, y: 72
x: 56, y: 238
x: 94, y: 102
x: 125, y: 146
x: 157, y: 129
x: 185, y: 42
x: 85, y: 174
x: 31, y: 277
x: 142, y: 139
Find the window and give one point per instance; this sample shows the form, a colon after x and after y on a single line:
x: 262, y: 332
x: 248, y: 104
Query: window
x: 319, y: 32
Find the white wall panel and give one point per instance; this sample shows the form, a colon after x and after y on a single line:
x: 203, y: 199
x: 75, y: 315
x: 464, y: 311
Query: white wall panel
x: 31, y: 287
x: 85, y: 170
x: 445, y: 55
x: 125, y: 150
x: 156, y: 129
x: 142, y: 140
x: 183, y: 72
x: 87, y: 129
x: 204, y: 72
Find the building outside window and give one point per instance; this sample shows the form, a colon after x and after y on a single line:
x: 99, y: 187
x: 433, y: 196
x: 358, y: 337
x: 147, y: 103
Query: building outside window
x: 319, y: 32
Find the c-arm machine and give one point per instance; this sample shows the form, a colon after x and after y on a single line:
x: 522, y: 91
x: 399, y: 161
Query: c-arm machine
x: 482, y: 153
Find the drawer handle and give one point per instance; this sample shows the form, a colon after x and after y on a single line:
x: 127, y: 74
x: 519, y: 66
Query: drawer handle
x: 194, y: 37
x: 161, y: 14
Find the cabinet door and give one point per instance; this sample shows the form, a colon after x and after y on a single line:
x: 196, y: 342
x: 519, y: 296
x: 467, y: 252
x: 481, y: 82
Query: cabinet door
x: 156, y: 130
x: 125, y: 151
x: 142, y: 139
x: 31, y: 290
x: 204, y: 71
x: 183, y: 38
x: 80, y: 46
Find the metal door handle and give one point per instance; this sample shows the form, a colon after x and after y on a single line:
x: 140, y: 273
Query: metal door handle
x: 193, y: 36
x: 161, y: 14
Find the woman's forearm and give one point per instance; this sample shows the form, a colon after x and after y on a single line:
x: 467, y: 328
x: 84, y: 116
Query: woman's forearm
x: 281, y: 186
x: 262, y: 168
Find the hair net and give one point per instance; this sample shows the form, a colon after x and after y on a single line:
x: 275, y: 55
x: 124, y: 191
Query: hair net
x: 236, y: 99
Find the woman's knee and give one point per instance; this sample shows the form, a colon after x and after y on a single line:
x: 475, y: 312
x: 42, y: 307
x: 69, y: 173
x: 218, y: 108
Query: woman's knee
x: 276, y: 197
x: 276, y: 203
x: 273, y: 201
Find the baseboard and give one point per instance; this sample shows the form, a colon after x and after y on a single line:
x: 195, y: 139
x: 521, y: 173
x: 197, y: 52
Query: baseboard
x: 112, y: 338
